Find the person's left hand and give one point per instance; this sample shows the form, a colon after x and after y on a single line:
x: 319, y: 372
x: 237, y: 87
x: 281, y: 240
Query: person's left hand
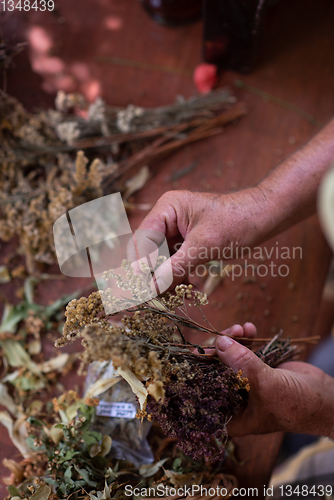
x: 295, y: 397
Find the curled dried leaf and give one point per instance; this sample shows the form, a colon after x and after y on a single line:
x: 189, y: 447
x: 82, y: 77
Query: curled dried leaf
x: 136, y: 385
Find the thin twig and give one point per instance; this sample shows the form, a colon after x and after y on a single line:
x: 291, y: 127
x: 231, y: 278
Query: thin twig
x: 303, y: 340
x: 157, y: 151
x: 142, y: 65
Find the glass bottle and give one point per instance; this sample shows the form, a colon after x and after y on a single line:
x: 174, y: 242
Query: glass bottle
x: 232, y: 32
x: 173, y: 12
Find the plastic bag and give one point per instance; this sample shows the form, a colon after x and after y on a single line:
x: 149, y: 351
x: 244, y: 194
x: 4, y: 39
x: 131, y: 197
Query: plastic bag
x: 116, y: 416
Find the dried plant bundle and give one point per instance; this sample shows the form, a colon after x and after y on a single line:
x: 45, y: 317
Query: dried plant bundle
x: 43, y: 175
x: 188, y: 390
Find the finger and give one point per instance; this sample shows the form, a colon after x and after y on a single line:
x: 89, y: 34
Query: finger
x: 144, y: 244
x: 162, y: 218
x: 247, y: 331
x: 234, y: 331
x: 238, y: 357
x: 301, y: 368
x: 250, y: 330
x: 176, y: 269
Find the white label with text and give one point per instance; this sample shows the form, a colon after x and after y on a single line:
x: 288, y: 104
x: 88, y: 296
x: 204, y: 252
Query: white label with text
x: 120, y: 410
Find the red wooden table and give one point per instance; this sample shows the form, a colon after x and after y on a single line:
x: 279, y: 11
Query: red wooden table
x: 112, y: 48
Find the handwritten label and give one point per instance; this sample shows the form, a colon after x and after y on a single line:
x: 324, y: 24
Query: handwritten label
x: 120, y: 410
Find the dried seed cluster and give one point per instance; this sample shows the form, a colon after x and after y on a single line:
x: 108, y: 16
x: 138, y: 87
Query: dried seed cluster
x: 34, y: 193
x: 199, y: 401
x: 39, y: 182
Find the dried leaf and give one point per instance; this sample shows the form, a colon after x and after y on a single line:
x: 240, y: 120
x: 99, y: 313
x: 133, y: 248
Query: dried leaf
x: 105, y: 446
x: 55, y: 433
x: 94, y: 450
x: 7, y: 401
x: 72, y: 411
x: 11, y: 316
x: 156, y: 389
x: 28, y: 382
x: 13, y: 491
x: 29, y: 284
x: 34, y: 407
x: 16, y: 469
x: 85, y: 476
x: 17, y: 433
x: 150, y: 469
x: 11, y: 377
x: 107, y: 491
x: 57, y: 363
x: 4, y: 275
x: 101, y: 449
x: 136, y: 182
x: 180, y: 479
x: 101, y: 386
x: 136, y: 385
x: 43, y: 493
x: 34, y: 347
x: 17, y: 356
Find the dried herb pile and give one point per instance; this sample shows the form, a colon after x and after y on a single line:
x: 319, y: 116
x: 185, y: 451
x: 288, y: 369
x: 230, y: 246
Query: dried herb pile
x: 64, y: 455
x: 34, y: 193
x: 42, y: 173
x: 65, y: 458
x: 52, y: 161
x: 192, y: 395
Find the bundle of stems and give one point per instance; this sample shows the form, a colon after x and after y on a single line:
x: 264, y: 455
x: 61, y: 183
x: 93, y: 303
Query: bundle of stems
x: 172, y: 310
x: 171, y: 138
x: 150, y: 142
x: 190, y: 392
x: 274, y: 350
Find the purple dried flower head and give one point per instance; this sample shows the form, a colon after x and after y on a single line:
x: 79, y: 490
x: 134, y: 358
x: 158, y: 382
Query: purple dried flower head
x: 199, y: 401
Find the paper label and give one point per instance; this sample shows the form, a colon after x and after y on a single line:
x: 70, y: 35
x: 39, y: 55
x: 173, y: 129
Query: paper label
x: 120, y: 410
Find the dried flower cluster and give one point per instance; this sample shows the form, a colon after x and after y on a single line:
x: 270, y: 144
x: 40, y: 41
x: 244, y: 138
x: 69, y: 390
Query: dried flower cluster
x: 35, y: 192
x: 200, y: 399
x: 39, y: 181
x: 125, y: 117
x: 192, y: 396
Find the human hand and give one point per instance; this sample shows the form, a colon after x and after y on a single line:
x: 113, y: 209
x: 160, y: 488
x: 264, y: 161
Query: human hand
x: 205, y: 224
x: 295, y: 397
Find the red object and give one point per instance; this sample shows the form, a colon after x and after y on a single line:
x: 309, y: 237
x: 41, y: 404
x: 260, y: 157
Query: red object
x: 205, y: 77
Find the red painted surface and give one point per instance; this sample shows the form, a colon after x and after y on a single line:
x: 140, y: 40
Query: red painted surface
x: 112, y: 48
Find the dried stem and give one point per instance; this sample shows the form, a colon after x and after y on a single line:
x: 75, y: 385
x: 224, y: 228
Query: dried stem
x: 160, y: 148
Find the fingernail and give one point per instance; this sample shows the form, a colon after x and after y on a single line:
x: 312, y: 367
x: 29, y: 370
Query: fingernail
x: 224, y: 343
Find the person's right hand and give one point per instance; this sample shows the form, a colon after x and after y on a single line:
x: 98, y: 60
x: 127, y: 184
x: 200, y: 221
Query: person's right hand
x: 205, y: 224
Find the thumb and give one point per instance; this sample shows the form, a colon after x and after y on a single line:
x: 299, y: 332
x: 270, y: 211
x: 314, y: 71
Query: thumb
x: 176, y: 269
x: 239, y: 357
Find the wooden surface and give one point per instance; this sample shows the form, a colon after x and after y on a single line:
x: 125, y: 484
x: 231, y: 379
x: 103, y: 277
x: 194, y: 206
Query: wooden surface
x: 295, y: 64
